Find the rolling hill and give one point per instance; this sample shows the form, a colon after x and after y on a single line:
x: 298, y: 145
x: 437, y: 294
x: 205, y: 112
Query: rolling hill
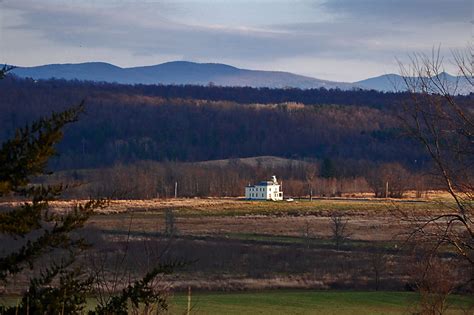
x: 185, y: 72
x: 177, y: 72
x: 395, y: 83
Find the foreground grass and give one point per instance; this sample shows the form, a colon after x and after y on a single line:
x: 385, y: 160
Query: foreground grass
x: 298, y: 302
x: 308, y: 302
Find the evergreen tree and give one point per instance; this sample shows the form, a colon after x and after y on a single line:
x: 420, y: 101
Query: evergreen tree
x: 49, y: 236
x: 40, y: 230
x: 328, y: 170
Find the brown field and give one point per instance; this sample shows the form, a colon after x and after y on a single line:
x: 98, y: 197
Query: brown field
x: 235, y: 244
x: 368, y: 219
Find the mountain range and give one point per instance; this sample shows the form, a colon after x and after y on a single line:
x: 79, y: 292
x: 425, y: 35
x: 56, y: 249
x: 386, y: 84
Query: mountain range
x: 395, y: 82
x: 185, y: 72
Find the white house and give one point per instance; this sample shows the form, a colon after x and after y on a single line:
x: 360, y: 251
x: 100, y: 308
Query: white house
x: 266, y: 190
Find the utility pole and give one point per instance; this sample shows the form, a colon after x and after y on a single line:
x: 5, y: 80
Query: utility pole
x: 189, y: 301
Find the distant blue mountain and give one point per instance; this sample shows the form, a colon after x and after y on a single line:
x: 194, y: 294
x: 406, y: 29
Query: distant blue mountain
x: 177, y: 72
x: 394, y: 83
x: 387, y: 83
x: 184, y: 72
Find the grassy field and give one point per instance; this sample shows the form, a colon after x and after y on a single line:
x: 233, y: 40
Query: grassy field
x: 258, y: 245
x: 233, y: 207
x: 369, y: 220
x: 299, y: 302
x: 307, y: 302
x: 269, y: 249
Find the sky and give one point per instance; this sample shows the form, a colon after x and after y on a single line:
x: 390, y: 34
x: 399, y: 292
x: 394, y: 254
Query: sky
x: 339, y: 40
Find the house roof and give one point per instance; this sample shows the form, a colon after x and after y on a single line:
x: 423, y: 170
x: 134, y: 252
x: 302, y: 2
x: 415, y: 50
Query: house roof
x: 264, y: 183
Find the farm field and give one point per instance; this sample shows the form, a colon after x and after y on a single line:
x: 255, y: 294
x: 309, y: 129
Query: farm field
x: 368, y: 219
x: 236, y: 245
x: 239, y: 206
x: 241, y: 245
x: 309, y: 302
x: 434, y: 201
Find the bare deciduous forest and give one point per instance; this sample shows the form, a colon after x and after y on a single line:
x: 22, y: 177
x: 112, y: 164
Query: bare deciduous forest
x: 142, y: 139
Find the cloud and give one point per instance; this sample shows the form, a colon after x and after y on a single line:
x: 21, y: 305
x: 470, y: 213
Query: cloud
x: 403, y: 11
x: 122, y: 28
x: 296, y: 36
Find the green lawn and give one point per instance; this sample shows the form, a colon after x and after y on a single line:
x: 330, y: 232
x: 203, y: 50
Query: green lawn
x: 306, y: 302
x: 299, y: 302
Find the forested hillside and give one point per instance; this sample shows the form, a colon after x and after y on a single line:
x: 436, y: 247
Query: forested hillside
x: 138, y: 141
x: 131, y: 123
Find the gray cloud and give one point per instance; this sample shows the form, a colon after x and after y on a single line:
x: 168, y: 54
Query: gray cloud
x: 351, y: 32
x: 117, y: 30
x: 407, y: 11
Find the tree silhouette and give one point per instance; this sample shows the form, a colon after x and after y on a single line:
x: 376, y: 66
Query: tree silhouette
x: 49, y: 239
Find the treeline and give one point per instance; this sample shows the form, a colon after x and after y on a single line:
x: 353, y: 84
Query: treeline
x: 127, y: 124
x: 242, y: 95
x: 227, y: 178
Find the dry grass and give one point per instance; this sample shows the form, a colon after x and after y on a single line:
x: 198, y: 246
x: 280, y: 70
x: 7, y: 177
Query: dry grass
x: 233, y: 240
x: 362, y: 202
x: 361, y: 227
x: 369, y: 219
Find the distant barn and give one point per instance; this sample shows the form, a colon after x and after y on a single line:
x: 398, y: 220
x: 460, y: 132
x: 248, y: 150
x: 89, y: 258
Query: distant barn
x: 266, y: 190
